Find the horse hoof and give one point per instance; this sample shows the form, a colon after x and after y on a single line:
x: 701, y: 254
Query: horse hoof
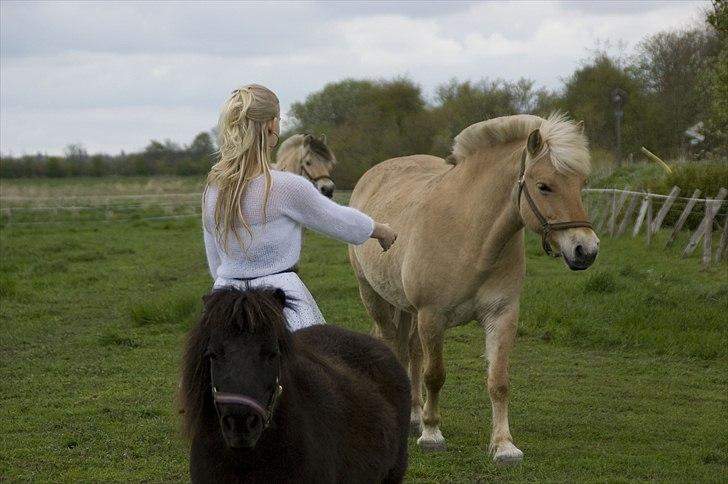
x: 415, y: 429
x: 432, y: 441
x: 507, y: 455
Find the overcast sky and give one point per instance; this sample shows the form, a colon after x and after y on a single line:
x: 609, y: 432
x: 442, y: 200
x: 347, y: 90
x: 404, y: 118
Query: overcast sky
x: 113, y: 76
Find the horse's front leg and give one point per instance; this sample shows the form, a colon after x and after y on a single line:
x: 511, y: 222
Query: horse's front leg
x: 431, y: 329
x: 500, y: 336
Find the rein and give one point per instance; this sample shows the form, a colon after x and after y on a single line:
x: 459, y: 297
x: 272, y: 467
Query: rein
x: 266, y: 413
x: 546, y: 226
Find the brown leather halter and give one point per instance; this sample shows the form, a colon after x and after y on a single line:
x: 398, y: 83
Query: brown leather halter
x: 546, y: 226
x: 266, y: 413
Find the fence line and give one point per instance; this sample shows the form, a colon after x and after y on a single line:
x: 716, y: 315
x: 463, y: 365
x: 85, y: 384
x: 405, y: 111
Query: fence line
x: 608, y: 204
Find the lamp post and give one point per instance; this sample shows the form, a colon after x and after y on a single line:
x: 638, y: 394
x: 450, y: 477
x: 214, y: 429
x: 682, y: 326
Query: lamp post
x: 618, y: 97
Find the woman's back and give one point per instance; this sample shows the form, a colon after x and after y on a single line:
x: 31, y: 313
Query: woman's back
x: 275, y: 246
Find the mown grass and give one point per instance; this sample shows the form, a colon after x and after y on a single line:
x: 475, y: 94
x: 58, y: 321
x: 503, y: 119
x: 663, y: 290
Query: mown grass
x: 620, y: 373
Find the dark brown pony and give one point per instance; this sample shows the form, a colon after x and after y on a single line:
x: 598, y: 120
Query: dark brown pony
x: 262, y: 404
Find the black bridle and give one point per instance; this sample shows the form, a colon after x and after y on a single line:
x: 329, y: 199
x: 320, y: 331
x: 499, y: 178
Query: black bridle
x: 546, y: 226
x: 265, y: 412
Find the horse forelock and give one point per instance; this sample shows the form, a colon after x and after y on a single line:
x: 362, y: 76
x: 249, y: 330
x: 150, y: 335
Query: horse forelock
x: 321, y: 149
x: 232, y: 310
x: 563, y: 140
x: 294, y: 150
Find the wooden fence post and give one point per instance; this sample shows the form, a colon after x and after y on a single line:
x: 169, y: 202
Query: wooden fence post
x: 664, y: 209
x: 720, y: 252
x: 628, y: 214
x: 607, y: 210
x: 708, y: 235
x: 683, y: 218
x: 613, y: 214
x: 616, y: 209
x: 709, y: 214
x: 641, y: 215
x: 648, y: 231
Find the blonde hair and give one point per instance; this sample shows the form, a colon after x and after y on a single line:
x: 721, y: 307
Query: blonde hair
x: 244, y: 152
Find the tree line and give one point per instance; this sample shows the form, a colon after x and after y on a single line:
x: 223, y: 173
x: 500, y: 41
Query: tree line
x: 675, y: 80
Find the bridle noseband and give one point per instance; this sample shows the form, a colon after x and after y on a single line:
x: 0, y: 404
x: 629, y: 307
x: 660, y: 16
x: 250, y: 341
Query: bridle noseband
x: 546, y: 226
x: 266, y: 413
x: 313, y: 178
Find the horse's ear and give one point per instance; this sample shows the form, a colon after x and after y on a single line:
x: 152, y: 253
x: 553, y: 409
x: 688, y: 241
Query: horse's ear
x: 534, y: 142
x: 451, y: 160
x: 322, y: 138
x: 580, y: 125
x: 280, y: 296
x: 307, y: 139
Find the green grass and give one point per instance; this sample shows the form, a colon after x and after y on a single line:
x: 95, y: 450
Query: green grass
x: 620, y: 373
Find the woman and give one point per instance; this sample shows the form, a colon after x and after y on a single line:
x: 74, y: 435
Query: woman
x: 252, y: 215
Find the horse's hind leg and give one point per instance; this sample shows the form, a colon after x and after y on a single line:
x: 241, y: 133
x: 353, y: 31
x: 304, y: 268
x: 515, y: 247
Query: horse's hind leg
x: 431, y: 328
x: 500, y: 335
x: 415, y: 372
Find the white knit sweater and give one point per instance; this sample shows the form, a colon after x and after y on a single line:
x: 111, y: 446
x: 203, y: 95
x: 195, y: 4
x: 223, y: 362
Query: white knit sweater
x: 276, y: 241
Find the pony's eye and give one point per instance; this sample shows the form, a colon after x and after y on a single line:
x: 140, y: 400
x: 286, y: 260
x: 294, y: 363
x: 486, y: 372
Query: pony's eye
x: 268, y: 354
x: 212, y: 354
x: 308, y: 162
x: 543, y: 187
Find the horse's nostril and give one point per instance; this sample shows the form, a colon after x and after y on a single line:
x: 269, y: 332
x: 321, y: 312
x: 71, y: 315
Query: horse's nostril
x: 228, y: 424
x: 252, y: 422
x: 579, y: 252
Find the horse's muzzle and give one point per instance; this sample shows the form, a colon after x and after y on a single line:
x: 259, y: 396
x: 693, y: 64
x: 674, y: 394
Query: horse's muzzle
x: 582, y: 258
x: 241, y: 430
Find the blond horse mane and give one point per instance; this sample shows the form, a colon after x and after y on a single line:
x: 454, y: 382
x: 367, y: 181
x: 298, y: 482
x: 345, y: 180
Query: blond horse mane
x: 562, y: 138
x: 294, y: 150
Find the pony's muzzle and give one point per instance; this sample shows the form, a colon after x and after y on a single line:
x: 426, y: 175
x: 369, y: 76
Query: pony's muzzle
x: 326, y: 187
x: 241, y: 430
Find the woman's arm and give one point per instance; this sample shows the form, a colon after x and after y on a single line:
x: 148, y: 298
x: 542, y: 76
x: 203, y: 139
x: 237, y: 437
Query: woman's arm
x: 304, y: 204
x: 213, y: 257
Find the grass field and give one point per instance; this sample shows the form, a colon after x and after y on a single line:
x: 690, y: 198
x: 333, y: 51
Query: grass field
x: 620, y: 373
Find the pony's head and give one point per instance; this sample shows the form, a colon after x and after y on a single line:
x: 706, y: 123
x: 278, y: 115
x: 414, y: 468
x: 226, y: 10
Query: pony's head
x: 311, y: 157
x: 555, y: 164
x: 233, y: 363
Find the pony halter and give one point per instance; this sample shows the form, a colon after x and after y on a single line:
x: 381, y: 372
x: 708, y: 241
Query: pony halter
x: 546, y: 226
x: 266, y: 413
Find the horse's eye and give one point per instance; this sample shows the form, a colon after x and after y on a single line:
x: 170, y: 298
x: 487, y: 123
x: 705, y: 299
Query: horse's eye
x: 544, y: 188
x: 308, y: 162
x: 212, y: 354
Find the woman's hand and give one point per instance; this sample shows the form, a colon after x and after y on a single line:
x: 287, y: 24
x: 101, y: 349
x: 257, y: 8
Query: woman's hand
x: 384, y: 234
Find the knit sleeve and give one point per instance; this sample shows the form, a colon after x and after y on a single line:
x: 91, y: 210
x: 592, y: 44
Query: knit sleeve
x: 305, y: 205
x: 213, y: 257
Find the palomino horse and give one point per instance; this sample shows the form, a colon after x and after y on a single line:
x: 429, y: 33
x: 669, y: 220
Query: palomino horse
x: 263, y: 404
x: 308, y: 156
x: 460, y: 252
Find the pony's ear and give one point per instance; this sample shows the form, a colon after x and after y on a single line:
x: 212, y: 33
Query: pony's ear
x: 580, y: 125
x: 451, y: 159
x: 307, y: 139
x: 534, y: 142
x: 280, y: 296
x: 322, y: 138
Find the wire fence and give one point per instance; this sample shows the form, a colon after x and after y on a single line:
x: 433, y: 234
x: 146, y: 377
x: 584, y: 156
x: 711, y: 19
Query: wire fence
x: 612, y: 211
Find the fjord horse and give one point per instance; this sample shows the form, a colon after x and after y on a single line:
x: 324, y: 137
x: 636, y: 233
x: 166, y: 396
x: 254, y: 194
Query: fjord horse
x: 310, y: 157
x: 460, y: 252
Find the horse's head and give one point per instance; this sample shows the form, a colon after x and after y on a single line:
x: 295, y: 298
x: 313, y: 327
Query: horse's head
x: 317, y: 161
x: 554, y: 166
x: 234, y: 361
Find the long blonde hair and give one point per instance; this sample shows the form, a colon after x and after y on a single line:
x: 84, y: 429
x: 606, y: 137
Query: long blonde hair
x: 244, y: 152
